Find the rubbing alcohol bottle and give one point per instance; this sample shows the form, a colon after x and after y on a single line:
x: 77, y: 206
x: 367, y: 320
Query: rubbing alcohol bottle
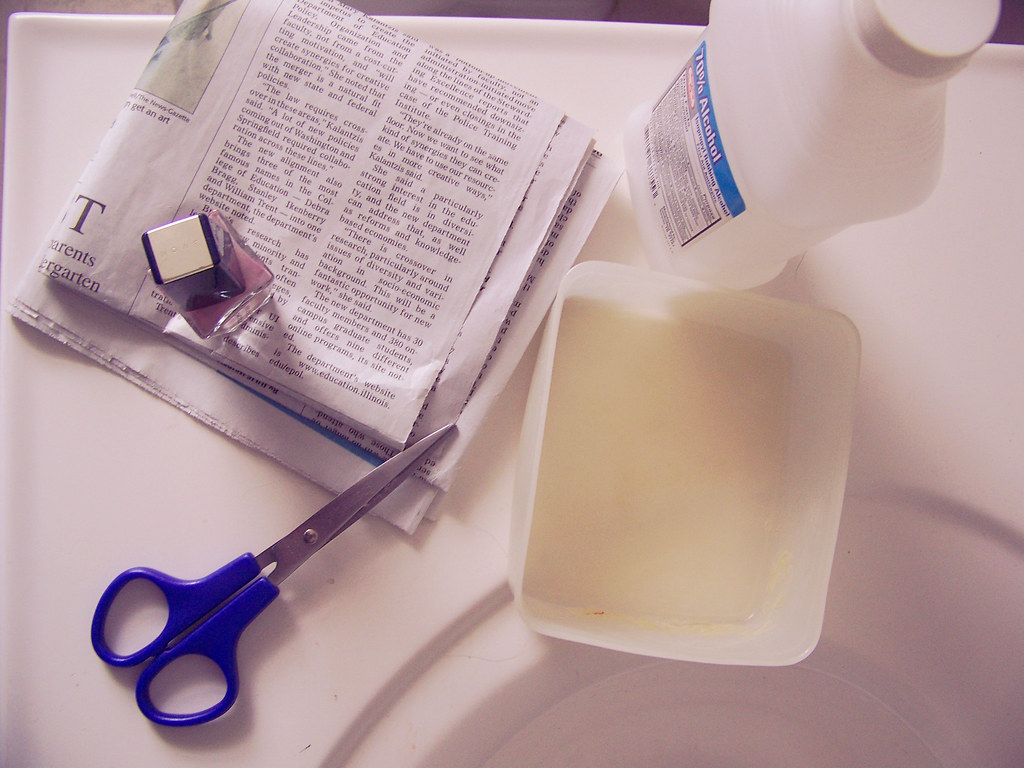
x: 791, y: 120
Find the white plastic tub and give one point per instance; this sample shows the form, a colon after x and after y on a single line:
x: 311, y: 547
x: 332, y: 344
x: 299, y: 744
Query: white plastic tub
x: 682, y: 468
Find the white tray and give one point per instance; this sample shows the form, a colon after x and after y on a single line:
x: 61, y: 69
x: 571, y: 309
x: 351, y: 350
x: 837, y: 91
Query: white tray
x: 390, y: 650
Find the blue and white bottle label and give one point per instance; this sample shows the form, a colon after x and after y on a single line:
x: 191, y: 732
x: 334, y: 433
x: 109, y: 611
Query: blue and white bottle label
x: 688, y: 170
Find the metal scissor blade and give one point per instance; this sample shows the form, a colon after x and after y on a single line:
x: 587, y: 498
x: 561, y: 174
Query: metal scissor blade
x: 318, y: 529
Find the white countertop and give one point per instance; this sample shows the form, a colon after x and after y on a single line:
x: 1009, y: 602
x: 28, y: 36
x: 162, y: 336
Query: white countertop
x: 397, y: 650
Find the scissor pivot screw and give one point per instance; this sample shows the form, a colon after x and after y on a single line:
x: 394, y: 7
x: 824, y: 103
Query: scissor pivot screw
x: 310, y: 536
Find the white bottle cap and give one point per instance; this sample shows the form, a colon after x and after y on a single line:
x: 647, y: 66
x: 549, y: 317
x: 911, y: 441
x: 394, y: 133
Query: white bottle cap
x: 932, y: 38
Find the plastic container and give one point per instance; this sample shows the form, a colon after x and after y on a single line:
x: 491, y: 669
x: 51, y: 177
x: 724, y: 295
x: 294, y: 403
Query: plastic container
x: 790, y: 121
x: 682, y: 468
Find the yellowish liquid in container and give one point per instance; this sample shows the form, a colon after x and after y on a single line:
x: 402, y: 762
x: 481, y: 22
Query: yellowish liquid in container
x: 658, y: 495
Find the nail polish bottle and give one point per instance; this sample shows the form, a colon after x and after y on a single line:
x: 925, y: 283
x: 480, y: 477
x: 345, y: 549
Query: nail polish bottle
x: 214, y: 281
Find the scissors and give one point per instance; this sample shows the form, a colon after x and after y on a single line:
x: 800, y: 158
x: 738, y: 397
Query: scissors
x: 207, y: 616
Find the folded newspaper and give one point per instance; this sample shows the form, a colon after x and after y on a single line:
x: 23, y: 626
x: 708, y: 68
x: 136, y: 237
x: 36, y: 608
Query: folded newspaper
x: 417, y: 213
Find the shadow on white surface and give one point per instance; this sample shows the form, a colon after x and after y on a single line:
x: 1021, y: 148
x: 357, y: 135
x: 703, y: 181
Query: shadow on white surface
x: 918, y: 667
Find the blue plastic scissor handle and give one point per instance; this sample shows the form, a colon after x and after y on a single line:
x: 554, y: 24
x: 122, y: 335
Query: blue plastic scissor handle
x: 216, y: 639
x: 189, y: 602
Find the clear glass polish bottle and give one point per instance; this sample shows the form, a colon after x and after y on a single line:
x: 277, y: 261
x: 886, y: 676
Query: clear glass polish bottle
x: 790, y: 121
x: 201, y: 265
